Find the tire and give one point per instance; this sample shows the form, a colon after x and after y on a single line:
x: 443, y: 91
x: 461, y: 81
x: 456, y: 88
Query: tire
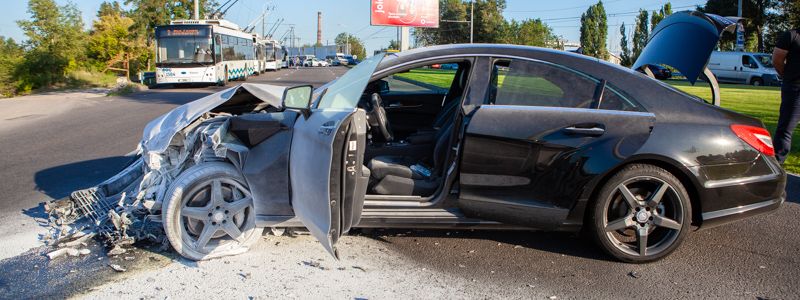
x: 190, y: 213
x: 757, y: 82
x: 225, y: 80
x: 663, y: 221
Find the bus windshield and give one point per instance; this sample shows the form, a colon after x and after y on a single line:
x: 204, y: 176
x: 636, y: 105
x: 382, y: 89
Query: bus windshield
x: 269, y: 51
x: 184, y: 45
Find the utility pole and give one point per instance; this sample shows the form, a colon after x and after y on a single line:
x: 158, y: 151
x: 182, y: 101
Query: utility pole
x: 739, y: 29
x: 472, y: 19
x: 740, y: 9
x: 197, y: 9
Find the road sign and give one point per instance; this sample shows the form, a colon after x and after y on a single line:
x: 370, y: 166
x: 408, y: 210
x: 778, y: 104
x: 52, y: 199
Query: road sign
x: 411, y: 13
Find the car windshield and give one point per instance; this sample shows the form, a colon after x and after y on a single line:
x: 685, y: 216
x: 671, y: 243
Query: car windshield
x: 765, y: 60
x: 347, y: 90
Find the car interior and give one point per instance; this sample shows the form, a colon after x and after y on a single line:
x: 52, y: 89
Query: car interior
x: 411, y: 116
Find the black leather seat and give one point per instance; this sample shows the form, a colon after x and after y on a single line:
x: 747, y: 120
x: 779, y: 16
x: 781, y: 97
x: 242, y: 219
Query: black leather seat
x: 394, y: 175
x: 445, y: 116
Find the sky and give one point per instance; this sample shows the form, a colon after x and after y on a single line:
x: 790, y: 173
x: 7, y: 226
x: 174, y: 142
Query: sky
x: 353, y: 16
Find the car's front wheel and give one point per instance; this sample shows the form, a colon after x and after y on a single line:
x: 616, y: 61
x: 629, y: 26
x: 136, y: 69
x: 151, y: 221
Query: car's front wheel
x: 641, y: 214
x: 208, y: 212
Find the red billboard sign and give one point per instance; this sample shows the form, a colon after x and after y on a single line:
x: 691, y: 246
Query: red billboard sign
x: 412, y: 13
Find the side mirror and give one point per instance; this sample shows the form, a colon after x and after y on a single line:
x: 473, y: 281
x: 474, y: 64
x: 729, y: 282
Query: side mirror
x: 383, y: 86
x: 298, y: 98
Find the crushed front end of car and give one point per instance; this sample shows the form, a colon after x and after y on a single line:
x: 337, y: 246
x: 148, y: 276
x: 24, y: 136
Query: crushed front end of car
x: 127, y: 207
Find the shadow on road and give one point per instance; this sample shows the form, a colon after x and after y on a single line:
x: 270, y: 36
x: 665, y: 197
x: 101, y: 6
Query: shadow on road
x: 58, y: 182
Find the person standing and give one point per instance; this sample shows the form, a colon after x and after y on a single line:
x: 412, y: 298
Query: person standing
x: 786, y: 58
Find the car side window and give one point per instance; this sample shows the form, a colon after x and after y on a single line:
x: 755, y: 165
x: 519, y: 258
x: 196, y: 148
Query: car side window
x: 531, y: 83
x: 749, y: 62
x: 614, y: 100
x: 432, y: 79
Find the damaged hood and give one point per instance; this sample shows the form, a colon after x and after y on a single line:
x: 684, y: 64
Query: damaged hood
x: 159, y: 132
x: 684, y: 41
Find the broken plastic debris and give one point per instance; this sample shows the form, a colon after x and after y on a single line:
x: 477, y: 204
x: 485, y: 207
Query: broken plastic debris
x: 117, y: 250
x: 117, y: 268
x: 68, y: 251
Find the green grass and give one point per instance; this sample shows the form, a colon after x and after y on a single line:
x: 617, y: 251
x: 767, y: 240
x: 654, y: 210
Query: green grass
x: 760, y: 102
x: 439, y: 78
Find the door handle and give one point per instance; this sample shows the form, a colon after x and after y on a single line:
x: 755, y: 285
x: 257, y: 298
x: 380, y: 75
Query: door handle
x: 588, y: 131
x: 401, y: 106
x: 327, y: 128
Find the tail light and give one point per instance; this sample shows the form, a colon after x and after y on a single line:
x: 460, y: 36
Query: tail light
x: 757, y: 137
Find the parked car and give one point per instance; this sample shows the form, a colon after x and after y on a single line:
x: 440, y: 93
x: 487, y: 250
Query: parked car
x: 744, y: 67
x: 561, y: 142
x: 350, y: 60
x: 659, y: 72
x: 314, y: 62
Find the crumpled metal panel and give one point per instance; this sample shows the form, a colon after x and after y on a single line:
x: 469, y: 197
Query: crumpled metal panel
x: 159, y: 132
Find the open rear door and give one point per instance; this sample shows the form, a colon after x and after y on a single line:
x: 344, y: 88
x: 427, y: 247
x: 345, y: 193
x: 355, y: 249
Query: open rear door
x: 326, y: 171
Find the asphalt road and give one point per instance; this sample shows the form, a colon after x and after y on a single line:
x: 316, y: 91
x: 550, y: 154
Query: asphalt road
x: 53, y: 146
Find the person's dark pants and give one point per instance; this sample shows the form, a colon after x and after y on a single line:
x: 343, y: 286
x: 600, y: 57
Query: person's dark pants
x: 787, y: 122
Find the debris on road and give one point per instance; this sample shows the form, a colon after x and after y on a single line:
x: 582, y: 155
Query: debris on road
x: 68, y: 251
x: 360, y: 268
x: 117, y: 267
x: 634, y: 274
x: 117, y: 250
x: 312, y: 263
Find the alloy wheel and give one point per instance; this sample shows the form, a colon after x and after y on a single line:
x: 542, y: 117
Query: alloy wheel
x: 644, y: 216
x: 216, y: 213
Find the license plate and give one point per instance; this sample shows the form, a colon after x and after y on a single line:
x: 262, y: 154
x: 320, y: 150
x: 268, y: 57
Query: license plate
x: 183, y: 80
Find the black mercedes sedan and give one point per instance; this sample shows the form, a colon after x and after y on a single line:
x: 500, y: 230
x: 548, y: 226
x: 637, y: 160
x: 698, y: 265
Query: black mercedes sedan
x: 511, y: 137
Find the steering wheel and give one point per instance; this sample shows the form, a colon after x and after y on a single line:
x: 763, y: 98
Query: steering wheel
x: 377, y: 117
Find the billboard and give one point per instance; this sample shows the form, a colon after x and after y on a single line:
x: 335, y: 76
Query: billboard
x: 412, y: 13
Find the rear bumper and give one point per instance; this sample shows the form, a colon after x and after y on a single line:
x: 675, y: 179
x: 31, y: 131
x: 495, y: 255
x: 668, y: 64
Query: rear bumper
x: 754, y: 188
x: 724, y: 216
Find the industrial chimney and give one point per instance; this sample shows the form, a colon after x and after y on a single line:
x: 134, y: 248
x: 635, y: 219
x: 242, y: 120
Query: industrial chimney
x: 319, y: 28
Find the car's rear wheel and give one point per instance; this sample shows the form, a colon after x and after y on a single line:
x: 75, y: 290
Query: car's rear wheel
x: 641, y: 214
x: 757, y: 82
x: 208, y: 212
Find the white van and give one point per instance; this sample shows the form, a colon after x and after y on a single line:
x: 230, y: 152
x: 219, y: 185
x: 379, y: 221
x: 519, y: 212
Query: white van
x: 743, y: 67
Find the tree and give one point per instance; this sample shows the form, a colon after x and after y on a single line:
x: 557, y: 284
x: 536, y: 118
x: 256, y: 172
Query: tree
x: 111, y: 40
x: 785, y: 16
x: 528, y: 32
x: 11, y: 56
x: 659, y: 15
x: 394, y: 45
x: 55, y: 42
x: 448, y: 32
x: 594, y: 31
x: 640, y: 34
x: 109, y: 8
x: 756, y: 13
x: 353, y: 43
x: 625, y: 55
x: 488, y: 20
